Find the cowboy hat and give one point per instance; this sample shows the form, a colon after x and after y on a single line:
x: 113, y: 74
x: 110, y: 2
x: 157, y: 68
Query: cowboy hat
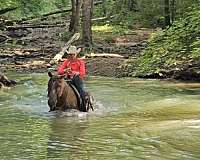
x: 73, y: 50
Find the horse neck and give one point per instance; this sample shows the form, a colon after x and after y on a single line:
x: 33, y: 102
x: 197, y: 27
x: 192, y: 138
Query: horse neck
x: 65, y: 87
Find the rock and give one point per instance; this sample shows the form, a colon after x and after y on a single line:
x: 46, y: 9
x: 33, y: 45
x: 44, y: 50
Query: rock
x: 4, y: 81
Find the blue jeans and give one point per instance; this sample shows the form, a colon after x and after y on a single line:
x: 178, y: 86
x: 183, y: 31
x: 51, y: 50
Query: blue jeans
x: 78, y: 83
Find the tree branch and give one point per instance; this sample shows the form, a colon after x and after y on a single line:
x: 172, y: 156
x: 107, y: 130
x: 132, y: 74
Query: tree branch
x: 3, y: 11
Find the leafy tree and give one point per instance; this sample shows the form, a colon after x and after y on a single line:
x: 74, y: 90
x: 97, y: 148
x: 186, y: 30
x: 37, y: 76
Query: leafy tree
x: 174, y: 47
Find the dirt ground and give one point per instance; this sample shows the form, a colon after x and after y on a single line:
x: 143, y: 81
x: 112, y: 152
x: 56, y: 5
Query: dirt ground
x: 94, y: 67
x: 35, y: 50
x: 103, y: 66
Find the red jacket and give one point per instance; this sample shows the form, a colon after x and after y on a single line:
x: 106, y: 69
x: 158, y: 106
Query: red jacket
x: 76, y: 66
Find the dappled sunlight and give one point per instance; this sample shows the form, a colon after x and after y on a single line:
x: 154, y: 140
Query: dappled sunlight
x: 103, y: 28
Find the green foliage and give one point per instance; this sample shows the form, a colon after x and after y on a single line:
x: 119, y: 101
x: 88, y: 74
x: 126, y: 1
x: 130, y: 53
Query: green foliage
x: 108, y: 28
x: 30, y: 8
x: 109, y: 32
x: 196, y: 49
x: 127, y: 68
x: 126, y: 12
x: 8, y: 3
x: 148, y: 13
x: 173, y: 47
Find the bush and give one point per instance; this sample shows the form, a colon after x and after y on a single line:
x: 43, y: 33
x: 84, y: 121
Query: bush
x: 174, y: 47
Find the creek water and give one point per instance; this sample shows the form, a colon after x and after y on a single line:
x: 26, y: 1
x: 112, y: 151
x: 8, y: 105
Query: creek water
x: 134, y: 119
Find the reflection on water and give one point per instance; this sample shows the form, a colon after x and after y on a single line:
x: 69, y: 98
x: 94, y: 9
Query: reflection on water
x: 134, y: 119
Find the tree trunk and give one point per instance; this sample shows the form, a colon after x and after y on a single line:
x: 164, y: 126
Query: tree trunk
x: 167, y: 13
x: 104, y: 8
x: 132, y: 5
x: 77, y: 15
x: 74, y: 23
x: 73, y: 14
x: 87, y: 23
x: 173, y: 10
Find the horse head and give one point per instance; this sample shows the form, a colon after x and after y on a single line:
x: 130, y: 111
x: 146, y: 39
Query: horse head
x: 55, y: 89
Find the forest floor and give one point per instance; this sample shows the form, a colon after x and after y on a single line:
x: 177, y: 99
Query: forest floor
x: 35, y: 47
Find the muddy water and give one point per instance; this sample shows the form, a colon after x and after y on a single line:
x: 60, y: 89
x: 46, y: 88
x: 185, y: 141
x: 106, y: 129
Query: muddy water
x: 134, y: 119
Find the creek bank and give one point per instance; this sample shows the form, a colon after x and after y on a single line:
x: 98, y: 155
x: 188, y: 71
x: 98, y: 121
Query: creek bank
x: 31, y: 49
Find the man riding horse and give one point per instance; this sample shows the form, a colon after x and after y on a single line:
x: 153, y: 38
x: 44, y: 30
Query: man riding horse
x: 74, y: 70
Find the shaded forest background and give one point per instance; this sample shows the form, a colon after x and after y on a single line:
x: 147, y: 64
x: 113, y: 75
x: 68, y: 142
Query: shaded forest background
x: 171, y: 52
x: 150, y: 13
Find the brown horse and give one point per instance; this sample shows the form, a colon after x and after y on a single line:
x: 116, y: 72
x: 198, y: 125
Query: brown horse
x: 62, y: 96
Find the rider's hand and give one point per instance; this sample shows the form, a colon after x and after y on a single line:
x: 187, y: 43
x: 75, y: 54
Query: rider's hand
x: 67, y: 70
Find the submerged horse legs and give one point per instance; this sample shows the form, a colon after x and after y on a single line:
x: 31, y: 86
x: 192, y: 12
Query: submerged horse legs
x: 88, y: 101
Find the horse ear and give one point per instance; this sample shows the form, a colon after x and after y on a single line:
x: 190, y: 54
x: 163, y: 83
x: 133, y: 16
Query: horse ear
x: 50, y: 74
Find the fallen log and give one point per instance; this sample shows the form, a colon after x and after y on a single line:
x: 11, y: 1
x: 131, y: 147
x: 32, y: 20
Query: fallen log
x: 59, y: 56
x: 53, y: 25
x: 56, y: 12
x: 98, y: 2
x: 102, y: 18
x: 3, y: 38
x: 4, y: 81
x: 43, y: 16
x: 33, y: 26
x: 104, y: 55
